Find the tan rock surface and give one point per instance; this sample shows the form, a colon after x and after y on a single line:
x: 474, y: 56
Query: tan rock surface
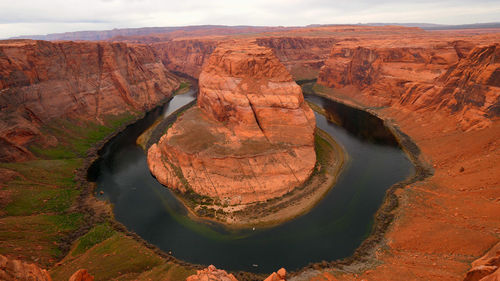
x: 250, y: 138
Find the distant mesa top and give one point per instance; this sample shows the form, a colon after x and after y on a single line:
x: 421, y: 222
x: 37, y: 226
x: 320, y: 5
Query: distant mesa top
x: 250, y: 137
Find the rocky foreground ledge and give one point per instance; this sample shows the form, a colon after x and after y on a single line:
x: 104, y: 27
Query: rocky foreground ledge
x: 249, y: 139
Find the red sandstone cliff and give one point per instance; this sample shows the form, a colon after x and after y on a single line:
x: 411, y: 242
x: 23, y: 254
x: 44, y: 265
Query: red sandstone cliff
x: 471, y: 88
x: 250, y: 138
x: 303, y: 57
x: 42, y: 81
x: 422, y: 78
x: 186, y: 56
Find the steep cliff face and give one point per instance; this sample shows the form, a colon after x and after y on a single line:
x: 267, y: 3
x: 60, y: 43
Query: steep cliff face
x: 471, y: 88
x: 250, y: 138
x: 42, y: 81
x: 186, y: 56
x: 302, y: 56
x: 424, y: 78
x: 372, y: 66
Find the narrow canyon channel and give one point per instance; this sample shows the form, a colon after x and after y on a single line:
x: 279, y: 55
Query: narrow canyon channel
x: 331, y: 230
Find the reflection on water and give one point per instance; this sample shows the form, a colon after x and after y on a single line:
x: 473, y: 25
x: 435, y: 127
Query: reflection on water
x: 332, y: 230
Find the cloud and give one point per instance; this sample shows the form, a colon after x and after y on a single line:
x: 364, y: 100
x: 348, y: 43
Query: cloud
x: 49, y: 16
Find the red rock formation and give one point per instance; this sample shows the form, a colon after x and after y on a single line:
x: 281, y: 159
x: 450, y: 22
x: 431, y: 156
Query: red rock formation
x: 250, y: 138
x: 472, y: 87
x: 453, y: 214
x: 16, y: 270
x: 432, y: 77
x: 280, y: 275
x: 302, y: 56
x: 186, y: 56
x: 211, y: 274
x: 42, y: 81
x: 385, y: 69
x: 81, y: 275
x: 486, y: 268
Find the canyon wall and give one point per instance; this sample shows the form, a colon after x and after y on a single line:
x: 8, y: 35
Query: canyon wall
x: 251, y: 136
x: 42, y: 81
x: 302, y: 56
x: 186, y: 56
x: 444, y: 95
x: 452, y: 76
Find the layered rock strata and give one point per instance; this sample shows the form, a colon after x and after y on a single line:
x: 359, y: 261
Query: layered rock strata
x: 44, y: 81
x: 303, y: 57
x: 250, y: 137
x: 448, y: 220
x: 451, y: 76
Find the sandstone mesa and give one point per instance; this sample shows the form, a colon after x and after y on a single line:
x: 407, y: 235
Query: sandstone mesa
x: 250, y: 137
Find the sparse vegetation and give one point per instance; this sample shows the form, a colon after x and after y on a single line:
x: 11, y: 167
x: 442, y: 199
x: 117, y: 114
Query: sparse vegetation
x: 76, y: 137
x: 183, y: 88
x: 115, y: 256
x: 95, y: 236
x: 37, y: 214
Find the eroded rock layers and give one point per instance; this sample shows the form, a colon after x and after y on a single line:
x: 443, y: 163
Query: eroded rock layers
x: 451, y: 76
x: 303, y: 57
x: 250, y: 137
x: 42, y: 81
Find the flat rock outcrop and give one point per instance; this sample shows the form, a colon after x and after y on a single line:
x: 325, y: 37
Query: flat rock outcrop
x: 42, y: 81
x: 250, y: 137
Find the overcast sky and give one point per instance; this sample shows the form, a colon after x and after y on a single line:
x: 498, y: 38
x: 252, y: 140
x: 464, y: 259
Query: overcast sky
x: 23, y: 17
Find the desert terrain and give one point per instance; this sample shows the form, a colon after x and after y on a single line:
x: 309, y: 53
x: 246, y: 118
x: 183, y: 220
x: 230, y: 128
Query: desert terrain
x: 61, y: 101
